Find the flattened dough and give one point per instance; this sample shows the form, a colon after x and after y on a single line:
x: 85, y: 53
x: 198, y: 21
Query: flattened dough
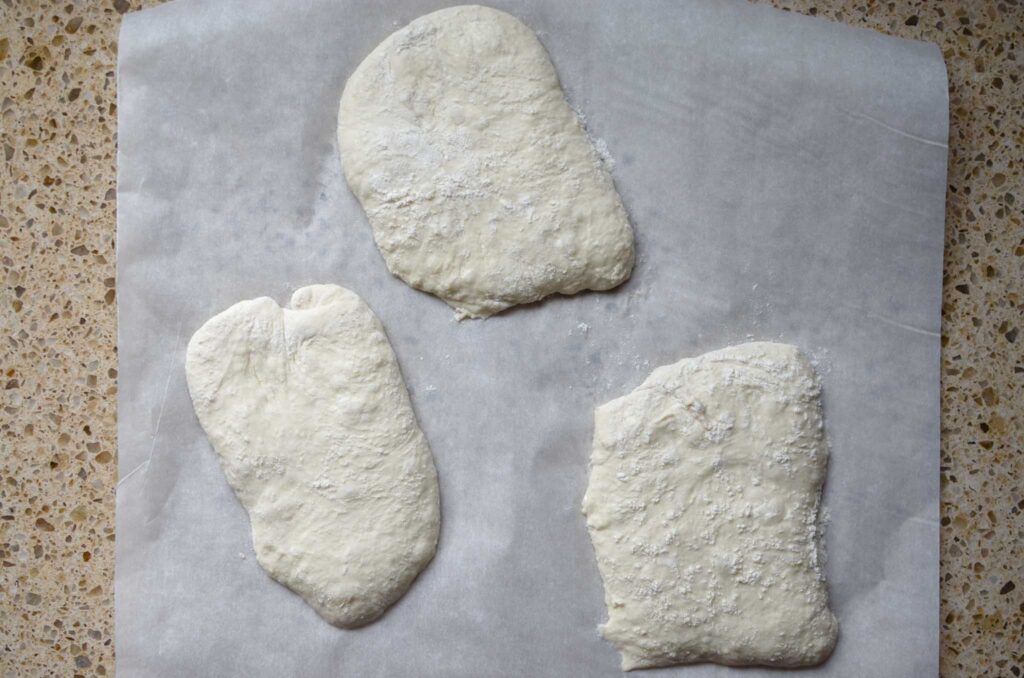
x: 478, y: 179
x: 702, y: 507
x: 309, y: 414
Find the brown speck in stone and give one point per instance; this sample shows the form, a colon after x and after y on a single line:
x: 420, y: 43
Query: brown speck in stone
x: 1007, y: 587
x: 911, y: 21
x: 997, y: 424
x: 73, y: 94
x: 989, y: 396
x: 5, y: 46
x: 122, y: 6
x: 998, y: 179
x: 33, y: 598
x: 73, y: 25
x: 82, y: 662
x: 86, y: 556
x: 109, y: 297
x: 962, y: 288
x: 8, y: 152
x: 104, y: 457
x: 110, y: 194
x: 36, y: 58
x: 80, y: 250
x: 42, y: 524
x: 11, y: 384
x: 1011, y: 336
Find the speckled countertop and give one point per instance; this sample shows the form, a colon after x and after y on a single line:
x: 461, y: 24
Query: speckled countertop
x: 58, y: 328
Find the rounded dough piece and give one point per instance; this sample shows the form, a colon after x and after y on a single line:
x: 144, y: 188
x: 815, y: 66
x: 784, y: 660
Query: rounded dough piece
x: 478, y: 179
x: 702, y: 507
x: 308, y: 412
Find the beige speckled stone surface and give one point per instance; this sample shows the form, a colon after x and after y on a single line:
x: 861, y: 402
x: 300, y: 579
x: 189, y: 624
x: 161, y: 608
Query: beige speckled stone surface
x: 59, y: 361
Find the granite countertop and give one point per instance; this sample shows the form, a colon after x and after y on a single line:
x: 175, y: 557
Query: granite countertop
x: 58, y: 466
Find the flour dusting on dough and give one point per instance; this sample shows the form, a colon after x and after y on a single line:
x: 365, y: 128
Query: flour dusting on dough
x: 703, y: 510
x: 479, y: 181
x: 308, y: 412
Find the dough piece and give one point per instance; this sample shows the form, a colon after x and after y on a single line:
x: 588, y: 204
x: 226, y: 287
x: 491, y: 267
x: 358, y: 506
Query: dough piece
x: 702, y: 507
x: 309, y: 414
x: 478, y: 179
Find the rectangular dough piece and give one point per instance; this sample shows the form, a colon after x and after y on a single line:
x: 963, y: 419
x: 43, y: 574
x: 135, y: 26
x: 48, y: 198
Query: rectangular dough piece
x: 703, y: 511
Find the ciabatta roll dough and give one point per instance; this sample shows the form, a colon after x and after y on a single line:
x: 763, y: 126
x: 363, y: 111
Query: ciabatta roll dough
x: 478, y: 179
x: 309, y: 414
x: 702, y: 507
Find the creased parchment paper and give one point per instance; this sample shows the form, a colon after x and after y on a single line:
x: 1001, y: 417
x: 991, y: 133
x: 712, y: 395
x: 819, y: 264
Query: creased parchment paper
x: 786, y: 180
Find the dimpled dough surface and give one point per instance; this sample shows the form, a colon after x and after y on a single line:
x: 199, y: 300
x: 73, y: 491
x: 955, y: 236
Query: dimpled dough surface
x: 309, y: 414
x: 702, y: 508
x: 478, y: 179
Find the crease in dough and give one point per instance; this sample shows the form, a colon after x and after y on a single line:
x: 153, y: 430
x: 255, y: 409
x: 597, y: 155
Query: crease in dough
x: 478, y: 179
x: 308, y: 412
x: 702, y: 507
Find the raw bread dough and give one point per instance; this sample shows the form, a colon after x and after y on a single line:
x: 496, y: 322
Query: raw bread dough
x: 702, y: 507
x: 309, y: 414
x: 478, y: 179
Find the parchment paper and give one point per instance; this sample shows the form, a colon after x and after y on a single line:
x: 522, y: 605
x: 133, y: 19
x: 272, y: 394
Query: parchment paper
x: 786, y: 179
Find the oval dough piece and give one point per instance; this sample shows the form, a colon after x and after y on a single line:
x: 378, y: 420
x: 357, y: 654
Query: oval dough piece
x: 477, y: 177
x: 702, y: 507
x: 309, y: 414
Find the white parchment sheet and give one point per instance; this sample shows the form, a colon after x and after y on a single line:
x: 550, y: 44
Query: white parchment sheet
x: 786, y: 179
